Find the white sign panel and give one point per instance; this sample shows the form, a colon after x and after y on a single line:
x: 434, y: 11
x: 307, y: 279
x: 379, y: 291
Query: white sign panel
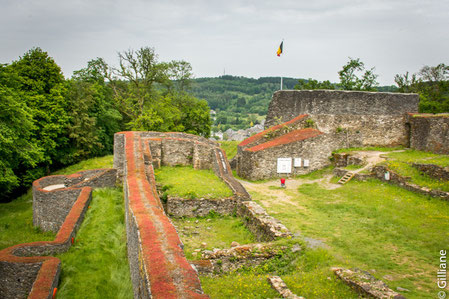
x: 297, y: 162
x: 306, y: 163
x: 284, y: 165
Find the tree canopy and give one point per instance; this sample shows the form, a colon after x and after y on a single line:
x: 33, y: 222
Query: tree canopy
x: 48, y: 121
x: 432, y: 85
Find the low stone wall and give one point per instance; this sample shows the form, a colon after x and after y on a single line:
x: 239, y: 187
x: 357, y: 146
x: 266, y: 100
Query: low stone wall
x: 50, y: 207
x: 221, y: 261
x: 434, y: 171
x: 26, y: 270
x: 199, y: 207
x: 380, y: 171
x: 365, y: 284
x: 263, y: 226
x: 429, y: 132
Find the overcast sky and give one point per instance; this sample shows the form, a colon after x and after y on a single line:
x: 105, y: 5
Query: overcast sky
x: 236, y: 37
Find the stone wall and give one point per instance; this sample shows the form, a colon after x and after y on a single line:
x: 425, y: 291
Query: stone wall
x: 434, y: 171
x: 368, y: 118
x: 50, y: 207
x: 27, y: 270
x: 430, y: 132
x: 157, y: 263
x: 379, y: 172
x: 262, y: 164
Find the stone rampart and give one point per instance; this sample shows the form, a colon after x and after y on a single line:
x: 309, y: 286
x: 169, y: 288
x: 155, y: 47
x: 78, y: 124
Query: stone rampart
x: 368, y: 118
x: 53, y: 196
x: 429, y: 132
x: 157, y: 263
x: 27, y: 269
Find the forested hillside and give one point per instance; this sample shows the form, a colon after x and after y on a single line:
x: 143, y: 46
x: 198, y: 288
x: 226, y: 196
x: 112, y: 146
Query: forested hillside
x: 238, y: 101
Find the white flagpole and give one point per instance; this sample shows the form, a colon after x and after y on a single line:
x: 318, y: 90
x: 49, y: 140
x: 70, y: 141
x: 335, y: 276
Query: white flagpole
x: 281, y: 82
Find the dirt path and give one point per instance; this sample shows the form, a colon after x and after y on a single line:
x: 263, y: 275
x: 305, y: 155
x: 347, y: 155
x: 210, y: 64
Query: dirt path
x: 271, y: 188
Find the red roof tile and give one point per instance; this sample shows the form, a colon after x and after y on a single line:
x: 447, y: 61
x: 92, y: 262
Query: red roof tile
x: 260, y: 135
x: 293, y: 136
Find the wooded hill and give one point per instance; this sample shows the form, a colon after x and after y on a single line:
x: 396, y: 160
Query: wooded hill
x: 238, y: 101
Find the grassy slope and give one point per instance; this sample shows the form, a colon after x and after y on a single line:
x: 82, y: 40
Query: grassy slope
x: 188, y: 182
x: 401, y: 162
x: 230, y: 148
x: 391, y: 232
x: 16, y: 217
x: 97, y: 265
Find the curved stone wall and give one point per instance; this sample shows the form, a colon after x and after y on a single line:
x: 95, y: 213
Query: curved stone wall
x: 27, y: 270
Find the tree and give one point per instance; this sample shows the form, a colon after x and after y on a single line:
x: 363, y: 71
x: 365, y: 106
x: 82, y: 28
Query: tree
x: 349, y: 76
x: 432, y: 85
x: 313, y: 84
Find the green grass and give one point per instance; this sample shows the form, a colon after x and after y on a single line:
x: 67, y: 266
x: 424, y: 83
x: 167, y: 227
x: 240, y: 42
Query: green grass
x: 186, y: 182
x: 370, y: 148
x: 96, y: 266
x: 414, y: 156
x: 16, y: 217
x: 307, y: 273
x: 377, y: 227
x: 215, y: 231
x: 402, y: 164
x: 230, y: 148
x: 94, y: 163
x: 353, y: 167
x: 16, y: 223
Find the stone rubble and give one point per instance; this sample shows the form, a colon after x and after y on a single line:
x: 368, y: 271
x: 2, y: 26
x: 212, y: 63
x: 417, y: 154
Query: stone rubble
x: 279, y: 285
x: 366, y: 284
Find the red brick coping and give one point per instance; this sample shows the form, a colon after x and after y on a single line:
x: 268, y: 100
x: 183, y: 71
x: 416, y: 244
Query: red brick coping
x: 293, y: 136
x: 168, y: 271
x: 48, y: 275
x: 260, y: 135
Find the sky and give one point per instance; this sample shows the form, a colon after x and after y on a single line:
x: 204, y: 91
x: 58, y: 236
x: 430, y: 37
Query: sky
x: 232, y: 37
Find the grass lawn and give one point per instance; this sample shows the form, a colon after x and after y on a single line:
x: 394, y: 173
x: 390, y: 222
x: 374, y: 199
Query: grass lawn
x: 186, y: 182
x: 391, y: 232
x: 16, y: 223
x: 96, y: 266
x: 16, y: 217
x: 401, y: 162
x: 215, y: 231
x: 230, y: 148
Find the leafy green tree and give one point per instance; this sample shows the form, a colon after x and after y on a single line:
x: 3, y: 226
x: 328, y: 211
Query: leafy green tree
x: 432, y: 85
x: 17, y: 151
x: 313, y: 84
x: 350, y: 76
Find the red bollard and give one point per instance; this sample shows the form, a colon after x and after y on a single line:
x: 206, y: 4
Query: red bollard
x: 282, y: 182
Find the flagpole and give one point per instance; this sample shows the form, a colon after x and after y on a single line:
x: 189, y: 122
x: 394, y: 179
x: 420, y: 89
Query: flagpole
x: 281, y: 82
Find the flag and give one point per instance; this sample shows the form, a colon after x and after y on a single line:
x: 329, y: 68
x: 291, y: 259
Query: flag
x: 279, y: 52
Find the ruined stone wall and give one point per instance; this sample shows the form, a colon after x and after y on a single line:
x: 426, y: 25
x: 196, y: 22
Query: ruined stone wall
x: 157, y: 263
x: 263, y: 164
x: 50, y: 207
x: 368, y: 118
x: 430, y: 132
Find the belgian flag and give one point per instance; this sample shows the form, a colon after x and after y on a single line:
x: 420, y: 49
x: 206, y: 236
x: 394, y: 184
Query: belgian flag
x: 279, y: 52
